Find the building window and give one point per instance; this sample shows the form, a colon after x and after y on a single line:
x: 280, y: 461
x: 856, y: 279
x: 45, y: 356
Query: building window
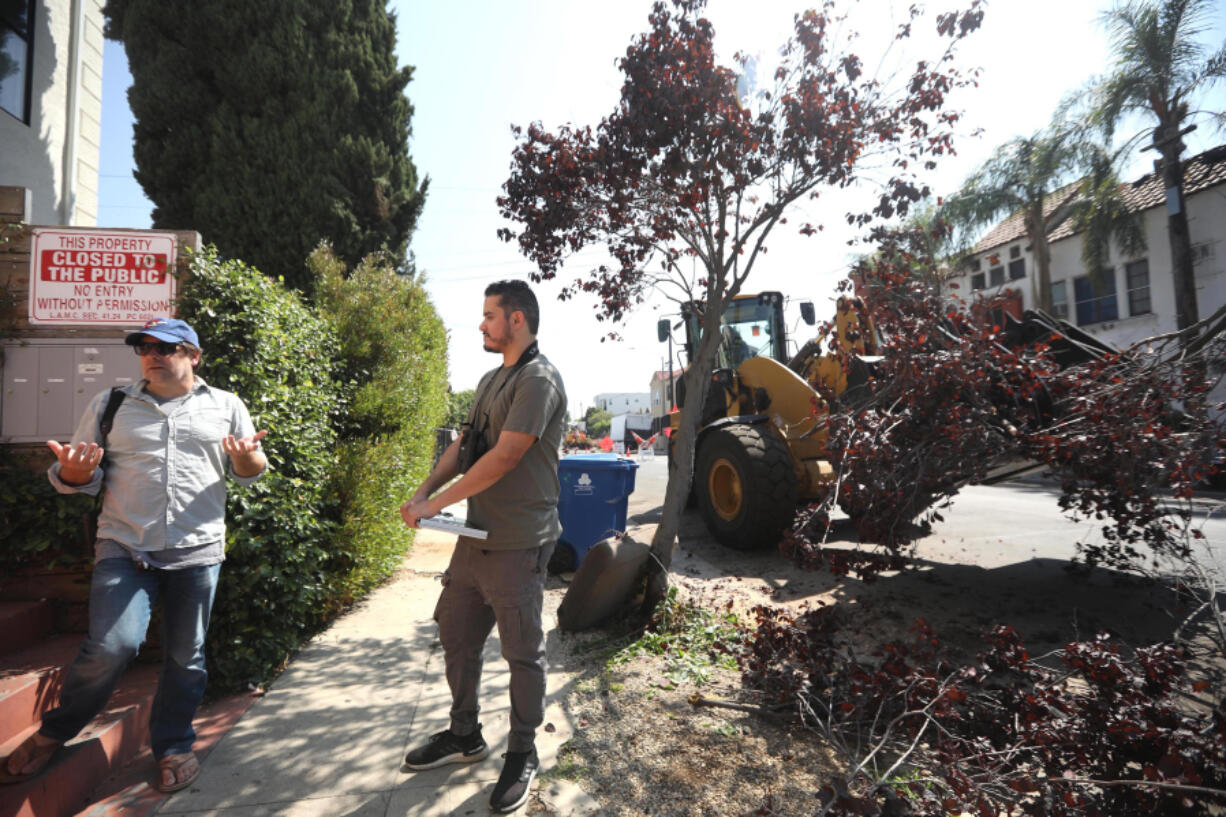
x: 1017, y: 269
x: 1015, y: 252
x: 1137, y: 276
x: 1095, y: 300
x: 977, y: 281
x: 996, y: 276
x: 1059, y: 300
x: 974, y: 265
x: 16, y: 50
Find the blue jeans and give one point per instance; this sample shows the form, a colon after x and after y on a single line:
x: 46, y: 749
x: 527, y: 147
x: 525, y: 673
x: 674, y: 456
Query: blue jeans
x: 121, y: 599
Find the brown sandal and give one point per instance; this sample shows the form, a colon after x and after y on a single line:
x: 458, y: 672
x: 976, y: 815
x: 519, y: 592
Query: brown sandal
x: 174, y: 763
x: 37, y: 756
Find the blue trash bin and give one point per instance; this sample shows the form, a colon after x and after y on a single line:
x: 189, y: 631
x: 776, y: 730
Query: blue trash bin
x: 595, y: 489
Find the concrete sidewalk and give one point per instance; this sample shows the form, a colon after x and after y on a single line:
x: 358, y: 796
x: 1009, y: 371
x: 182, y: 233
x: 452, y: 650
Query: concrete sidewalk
x: 330, y: 736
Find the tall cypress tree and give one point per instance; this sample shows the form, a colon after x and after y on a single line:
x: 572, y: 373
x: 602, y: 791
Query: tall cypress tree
x: 268, y: 126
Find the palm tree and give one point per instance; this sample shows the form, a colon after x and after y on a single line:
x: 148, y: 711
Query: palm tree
x: 1027, y: 176
x: 1099, y: 212
x: 1159, y: 69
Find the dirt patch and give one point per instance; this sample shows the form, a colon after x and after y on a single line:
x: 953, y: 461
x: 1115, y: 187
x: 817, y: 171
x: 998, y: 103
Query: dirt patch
x: 641, y: 748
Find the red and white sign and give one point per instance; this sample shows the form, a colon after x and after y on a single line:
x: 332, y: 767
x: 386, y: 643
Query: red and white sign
x: 92, y: 276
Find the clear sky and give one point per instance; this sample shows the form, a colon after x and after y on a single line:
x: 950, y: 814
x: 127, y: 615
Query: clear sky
x: 483, y: 65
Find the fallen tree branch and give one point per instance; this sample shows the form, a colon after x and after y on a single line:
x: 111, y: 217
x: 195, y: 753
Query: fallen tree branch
x: 697, y: 700
x: 1157, y: 784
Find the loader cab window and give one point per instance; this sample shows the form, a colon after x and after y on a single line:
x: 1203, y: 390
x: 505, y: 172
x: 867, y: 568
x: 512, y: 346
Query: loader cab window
x: 749, y: 329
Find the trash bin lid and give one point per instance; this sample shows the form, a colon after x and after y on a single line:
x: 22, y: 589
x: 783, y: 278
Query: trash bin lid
x: 597, y: 462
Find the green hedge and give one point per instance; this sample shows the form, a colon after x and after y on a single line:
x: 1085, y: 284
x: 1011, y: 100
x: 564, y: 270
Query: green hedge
x: 38, y: 526
x: 263, y: 343
x: 393, y: 353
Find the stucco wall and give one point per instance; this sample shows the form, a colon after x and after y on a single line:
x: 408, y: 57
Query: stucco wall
x: 89, y: 128
x: 34, y: 154
x: 622, y: 402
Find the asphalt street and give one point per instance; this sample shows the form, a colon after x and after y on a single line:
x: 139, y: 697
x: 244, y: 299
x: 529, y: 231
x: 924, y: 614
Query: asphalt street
x: 987, y: 526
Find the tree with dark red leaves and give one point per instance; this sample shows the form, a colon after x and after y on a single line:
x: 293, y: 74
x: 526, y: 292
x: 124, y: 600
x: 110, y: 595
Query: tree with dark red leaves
x: 687, y: 174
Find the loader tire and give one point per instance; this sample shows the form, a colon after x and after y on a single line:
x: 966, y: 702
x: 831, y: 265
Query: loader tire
x: 746, y: 486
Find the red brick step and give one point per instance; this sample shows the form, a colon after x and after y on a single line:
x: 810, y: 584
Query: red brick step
x: 129, y: 793
x: 114, y: 737
x: 30, y: 682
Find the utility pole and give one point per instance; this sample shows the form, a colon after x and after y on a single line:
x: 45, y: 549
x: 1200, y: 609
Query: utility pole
x: 1168, y: 141
x: 664, y: 331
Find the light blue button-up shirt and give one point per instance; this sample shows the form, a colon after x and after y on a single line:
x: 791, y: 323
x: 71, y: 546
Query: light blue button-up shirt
x: 165, y: 471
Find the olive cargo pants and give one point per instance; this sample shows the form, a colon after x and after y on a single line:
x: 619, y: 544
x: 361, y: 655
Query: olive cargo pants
x: 482, y: 588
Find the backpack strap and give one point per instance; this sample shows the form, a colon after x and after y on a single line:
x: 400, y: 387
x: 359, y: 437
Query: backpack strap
x: 108, y: 414
x: 105, y: 423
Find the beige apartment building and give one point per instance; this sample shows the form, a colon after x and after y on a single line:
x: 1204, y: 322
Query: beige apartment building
x: 51, y: 106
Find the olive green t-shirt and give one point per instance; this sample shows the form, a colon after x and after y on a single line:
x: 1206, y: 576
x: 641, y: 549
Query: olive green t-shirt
x: 520, y: 510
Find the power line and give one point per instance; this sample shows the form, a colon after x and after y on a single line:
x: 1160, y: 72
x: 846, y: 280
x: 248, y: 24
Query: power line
x: 508, y: 263
x: 494, y: 277
x: 466, y: 189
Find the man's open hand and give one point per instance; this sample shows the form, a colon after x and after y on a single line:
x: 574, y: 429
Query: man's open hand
x: 244, y: 453
x: 240, y: 447
x: 77, y: 463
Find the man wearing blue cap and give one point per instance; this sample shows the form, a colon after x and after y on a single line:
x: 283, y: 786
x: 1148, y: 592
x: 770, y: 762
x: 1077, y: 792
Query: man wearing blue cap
x: 161, y: 534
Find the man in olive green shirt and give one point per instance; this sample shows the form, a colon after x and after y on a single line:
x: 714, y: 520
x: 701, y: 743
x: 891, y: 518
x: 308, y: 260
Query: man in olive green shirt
x: 508, y: 454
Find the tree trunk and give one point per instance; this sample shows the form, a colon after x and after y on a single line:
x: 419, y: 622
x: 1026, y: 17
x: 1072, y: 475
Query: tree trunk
x: 697, y: 383
x: 1186, y: 312
x: 663, y: 543
x: 1036, y: 231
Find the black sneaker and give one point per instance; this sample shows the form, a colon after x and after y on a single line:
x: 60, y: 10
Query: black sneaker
x: 444, y: 747
x: 515, y: 783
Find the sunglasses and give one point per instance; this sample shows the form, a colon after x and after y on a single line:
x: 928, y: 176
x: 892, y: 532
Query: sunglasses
x: 161, y: 347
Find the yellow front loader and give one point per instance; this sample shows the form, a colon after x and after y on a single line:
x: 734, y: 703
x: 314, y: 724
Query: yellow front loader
x: 762, y: 439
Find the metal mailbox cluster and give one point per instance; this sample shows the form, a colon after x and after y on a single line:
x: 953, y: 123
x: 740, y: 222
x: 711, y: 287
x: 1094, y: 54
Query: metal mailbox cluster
x: 48, y: 382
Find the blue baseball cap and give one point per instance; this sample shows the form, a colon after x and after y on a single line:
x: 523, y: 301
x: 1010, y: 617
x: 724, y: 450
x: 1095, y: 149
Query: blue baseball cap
x: 171, y: 330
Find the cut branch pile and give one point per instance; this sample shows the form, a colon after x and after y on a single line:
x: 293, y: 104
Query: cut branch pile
x: 1089, y: 731
x: 1129, y: 435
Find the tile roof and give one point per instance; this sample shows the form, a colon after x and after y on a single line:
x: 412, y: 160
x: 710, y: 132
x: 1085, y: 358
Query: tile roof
x: 663, y: 373
x: 1199, y: 172
x: 1014, y: 227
